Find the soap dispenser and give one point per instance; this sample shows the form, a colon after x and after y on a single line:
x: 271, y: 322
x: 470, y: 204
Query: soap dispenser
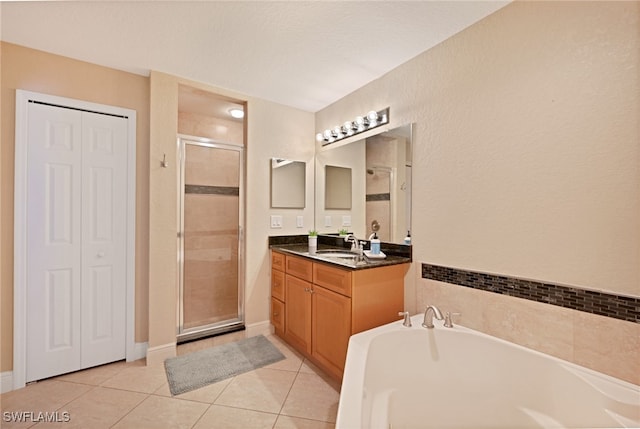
x: 375, y: 245
x: 407, y: 239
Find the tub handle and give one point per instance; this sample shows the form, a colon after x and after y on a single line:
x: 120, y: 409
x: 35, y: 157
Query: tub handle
x: 447, y: 319
x: 407, y: 318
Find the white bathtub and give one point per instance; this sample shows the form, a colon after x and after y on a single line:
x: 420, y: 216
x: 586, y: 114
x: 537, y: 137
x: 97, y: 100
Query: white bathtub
x: 397, y: 377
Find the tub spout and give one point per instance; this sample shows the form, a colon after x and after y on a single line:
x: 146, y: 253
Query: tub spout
x: 429, y: 313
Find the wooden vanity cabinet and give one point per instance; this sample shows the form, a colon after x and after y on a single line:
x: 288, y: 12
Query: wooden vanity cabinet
x: 324, y: 305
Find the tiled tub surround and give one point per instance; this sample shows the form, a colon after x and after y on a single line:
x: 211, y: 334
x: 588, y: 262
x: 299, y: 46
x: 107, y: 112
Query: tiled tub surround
x: 606, y: 344
x: 605, y: 304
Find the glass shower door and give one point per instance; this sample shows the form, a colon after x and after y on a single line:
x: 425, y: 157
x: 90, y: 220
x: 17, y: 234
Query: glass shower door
x: 211, y: 212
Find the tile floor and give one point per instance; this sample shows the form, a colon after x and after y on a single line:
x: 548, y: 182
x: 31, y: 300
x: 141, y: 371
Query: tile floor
x: 291, y: 393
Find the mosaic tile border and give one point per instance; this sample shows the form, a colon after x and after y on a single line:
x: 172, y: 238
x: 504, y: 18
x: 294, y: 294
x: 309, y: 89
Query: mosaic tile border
x: 211, y: 190
x: 601, y: 303
x: 378, y: 197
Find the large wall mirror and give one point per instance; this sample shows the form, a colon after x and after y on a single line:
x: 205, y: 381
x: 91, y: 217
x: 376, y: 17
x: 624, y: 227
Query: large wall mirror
x: 380, y: 167
x: 287, y: 184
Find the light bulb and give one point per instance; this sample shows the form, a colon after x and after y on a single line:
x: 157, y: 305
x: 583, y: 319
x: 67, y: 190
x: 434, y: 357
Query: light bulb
x: 319, y: 137
x: 373, y: 115
x: 236, y: 113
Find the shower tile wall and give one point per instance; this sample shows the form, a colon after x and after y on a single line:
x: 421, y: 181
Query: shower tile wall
x: 211, y: 237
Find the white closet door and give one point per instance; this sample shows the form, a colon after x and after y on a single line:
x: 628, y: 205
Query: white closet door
x: 53, y: 241
x: 76, y: 240
x: 104, y: 190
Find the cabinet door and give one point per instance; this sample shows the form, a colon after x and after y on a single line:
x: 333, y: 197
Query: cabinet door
x: 331, y: 328
x: 277, y: 285
x: 277, y: 316
x: 298, y: 313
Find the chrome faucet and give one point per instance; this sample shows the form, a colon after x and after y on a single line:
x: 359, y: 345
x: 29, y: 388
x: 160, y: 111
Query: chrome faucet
x: 356, y: 245
x: 429, y: 313
x: 407, y: 318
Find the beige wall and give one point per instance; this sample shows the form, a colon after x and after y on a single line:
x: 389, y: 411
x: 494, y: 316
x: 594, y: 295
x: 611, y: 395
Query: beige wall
x: 526, y: 161
x: 38, y: 71
x: 526, y: 147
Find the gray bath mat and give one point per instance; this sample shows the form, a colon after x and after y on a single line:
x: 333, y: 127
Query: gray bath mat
x: 201, y: 368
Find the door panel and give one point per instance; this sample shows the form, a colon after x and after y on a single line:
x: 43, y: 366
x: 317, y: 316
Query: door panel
x: 53, y: 241
x: 210, y: 283
x: 104, y: 187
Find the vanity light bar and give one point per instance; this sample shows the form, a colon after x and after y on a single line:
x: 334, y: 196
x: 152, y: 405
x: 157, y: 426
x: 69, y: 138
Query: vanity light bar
x: 359, y: 125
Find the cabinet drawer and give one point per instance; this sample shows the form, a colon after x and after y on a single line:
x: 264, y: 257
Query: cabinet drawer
x: 277, y: 261
x: 277, y: 315
x: 299, y: 267
x: 332, y: 278
x: 277, y: 285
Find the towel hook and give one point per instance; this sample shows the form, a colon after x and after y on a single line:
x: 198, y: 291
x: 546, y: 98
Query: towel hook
x: 164, y: 163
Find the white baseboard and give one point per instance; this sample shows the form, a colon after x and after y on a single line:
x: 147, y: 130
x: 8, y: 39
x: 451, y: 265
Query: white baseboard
x: 159, y: 354
x: 260, y: 328
x: 6, y: 381
x: 139, y: 351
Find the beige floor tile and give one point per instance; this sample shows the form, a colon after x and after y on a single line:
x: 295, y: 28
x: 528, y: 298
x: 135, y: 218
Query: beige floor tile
x: 157, y: 412
x: 287, y: 422
x: 45, y: 396
x: 292, y: 359
x: 260, y: 390
x: 207, y: 394
x: 138, y: 377
x: 235, y: 418
x: 99, y: 408
x: 312, y: 397
x: 309, y: 367
x: 94, y: 376
x: 195, y: 346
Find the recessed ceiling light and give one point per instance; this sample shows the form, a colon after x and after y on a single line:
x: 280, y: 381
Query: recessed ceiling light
x: 236, y: 113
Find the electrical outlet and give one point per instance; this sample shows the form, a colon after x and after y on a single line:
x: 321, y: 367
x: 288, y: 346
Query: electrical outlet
x: 300, y: 222
x: 276, y: 221
x: 346, y: 220
x: 327, y: 221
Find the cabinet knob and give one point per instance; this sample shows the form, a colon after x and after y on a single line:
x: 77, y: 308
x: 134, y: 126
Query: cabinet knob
x: 275, y: 313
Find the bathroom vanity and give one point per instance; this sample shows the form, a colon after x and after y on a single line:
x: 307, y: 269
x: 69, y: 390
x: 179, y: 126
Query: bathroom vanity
x: 318, y: 301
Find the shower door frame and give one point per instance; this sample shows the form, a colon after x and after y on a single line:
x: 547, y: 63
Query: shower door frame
x: 229, y: 324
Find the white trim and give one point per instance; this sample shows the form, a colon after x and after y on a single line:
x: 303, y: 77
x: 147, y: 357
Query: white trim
x: 159, y: 354
x: 139, y: 352
x: 6, y: 381
x: 260, y: 328
x: 20, y: 227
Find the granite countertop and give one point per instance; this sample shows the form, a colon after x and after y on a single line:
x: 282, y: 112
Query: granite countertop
x: 353, y: 263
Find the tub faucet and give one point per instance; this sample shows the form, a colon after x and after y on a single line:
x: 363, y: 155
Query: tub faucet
x: 429, y: 313
x: 407, y: 318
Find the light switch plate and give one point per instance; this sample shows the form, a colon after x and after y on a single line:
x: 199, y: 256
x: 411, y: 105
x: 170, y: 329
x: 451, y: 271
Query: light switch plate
x: 299, y: 221
x: 327, y: 221
x: 276, y: 221
x: 346, y: 220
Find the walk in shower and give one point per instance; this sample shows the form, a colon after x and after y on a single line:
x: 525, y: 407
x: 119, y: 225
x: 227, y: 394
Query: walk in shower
x: 210, y: 235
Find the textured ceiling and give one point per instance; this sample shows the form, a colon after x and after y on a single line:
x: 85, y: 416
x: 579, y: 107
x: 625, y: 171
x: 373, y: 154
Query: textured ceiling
x: 298, y: 53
